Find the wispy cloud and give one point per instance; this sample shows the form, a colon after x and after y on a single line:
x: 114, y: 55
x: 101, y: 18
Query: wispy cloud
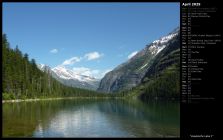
x: 71, y: 61
x: 90, y: 72
x: 54, y: 51
x: 83, y: 70
x: 86, y: 71
x: 93, y: 55
x: 132, y: 54
x: 88, y: 56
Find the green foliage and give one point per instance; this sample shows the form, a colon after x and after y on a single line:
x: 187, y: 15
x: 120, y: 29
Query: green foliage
x: 162, y: 80
x: 8, y: 96
x: 22, y: 79
x: 166, y: 85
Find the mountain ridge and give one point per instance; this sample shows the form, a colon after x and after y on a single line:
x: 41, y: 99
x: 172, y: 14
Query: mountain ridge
x: 130, y: 73
x: 70, y: 78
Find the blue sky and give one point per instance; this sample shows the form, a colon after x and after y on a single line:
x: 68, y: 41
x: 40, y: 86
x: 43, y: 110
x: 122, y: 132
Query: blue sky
x: 90, y: 38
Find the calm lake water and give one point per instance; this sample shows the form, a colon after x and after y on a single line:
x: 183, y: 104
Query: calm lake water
x: 91, y: 118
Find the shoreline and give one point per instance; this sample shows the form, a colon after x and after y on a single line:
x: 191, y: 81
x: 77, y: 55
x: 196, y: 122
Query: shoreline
x: 58, y: 98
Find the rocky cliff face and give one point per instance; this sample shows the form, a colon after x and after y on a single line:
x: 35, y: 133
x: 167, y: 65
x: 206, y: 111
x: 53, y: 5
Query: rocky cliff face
x: 131, y: 73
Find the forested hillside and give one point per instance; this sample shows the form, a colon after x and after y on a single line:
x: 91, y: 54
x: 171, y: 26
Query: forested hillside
x: 22, y: 79
x: 162, y: 79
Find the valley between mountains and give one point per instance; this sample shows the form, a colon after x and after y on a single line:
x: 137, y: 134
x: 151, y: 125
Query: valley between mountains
x: 154, y: 72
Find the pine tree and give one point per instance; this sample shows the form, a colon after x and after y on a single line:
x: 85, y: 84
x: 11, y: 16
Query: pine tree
x: 23, y: 79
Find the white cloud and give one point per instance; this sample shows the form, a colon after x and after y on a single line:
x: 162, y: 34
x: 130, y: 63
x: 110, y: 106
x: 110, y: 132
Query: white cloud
x: 88, y: 56
x: 71, y: 61
x: 132, y: 54
x: 86, y: 71
x: 54, y: 51
x: 93, y: 55
x: 82, y: 70
x: 90, y: 72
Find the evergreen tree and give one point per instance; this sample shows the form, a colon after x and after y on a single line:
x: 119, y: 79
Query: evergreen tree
x: 23, y: 79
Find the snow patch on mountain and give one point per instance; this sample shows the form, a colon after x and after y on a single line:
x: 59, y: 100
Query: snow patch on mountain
x: 41, y: 66
x: 71, y: 78
x: 143, y: 66
x: 158, y: 45
x: 65, y: 73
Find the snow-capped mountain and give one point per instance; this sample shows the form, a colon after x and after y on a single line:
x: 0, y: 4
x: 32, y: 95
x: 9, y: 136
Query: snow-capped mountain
x: 71, y: 78
x: 130, y: 73
x: 43, y: 67
x: 65, y: 73
x: 159, y: 45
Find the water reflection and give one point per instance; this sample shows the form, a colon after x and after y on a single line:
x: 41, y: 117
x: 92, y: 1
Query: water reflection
x: 154, y: 119
x: 91, y: 118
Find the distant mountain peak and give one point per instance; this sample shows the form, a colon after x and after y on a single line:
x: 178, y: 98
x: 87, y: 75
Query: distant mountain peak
x: 70, y: 77
x: 65, y: 73
x: 40, y: 66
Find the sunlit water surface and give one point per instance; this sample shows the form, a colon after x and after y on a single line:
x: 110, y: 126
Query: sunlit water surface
x: 91, y: 118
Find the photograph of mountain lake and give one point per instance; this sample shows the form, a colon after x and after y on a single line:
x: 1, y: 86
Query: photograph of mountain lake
x: 83, y: 70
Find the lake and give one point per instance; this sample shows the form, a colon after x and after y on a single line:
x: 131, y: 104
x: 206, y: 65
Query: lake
x: 91, y: 118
